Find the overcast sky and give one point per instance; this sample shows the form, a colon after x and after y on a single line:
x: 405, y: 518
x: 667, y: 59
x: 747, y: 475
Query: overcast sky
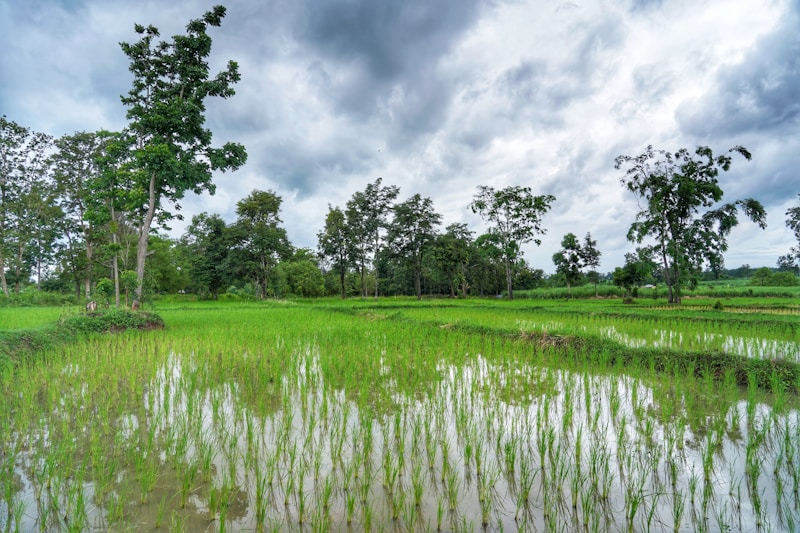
x: 441, y: 96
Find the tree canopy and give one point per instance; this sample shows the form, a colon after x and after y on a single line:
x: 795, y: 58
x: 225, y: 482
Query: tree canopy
x: 515, y: 216
x: 172, y: 151
x: 793, y: 223
x: 679, y: 195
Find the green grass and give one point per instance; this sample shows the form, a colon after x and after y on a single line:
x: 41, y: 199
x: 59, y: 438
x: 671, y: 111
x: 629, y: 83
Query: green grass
x: 29, y: 317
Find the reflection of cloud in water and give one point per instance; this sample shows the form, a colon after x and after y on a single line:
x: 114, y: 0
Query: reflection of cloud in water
x: 662, y: 338
x: 498, y: 437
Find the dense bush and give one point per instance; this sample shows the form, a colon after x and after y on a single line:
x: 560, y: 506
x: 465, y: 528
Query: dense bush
x: 765, y: 277
x: 30, y: 296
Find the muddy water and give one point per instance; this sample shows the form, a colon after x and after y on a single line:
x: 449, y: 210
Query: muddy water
x: 497, y: 446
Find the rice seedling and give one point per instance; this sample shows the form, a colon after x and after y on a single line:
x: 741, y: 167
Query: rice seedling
x: 223, y: 417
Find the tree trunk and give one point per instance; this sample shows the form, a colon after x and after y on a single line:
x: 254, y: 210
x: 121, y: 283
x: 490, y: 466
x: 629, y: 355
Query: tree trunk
x: 144, y: 233
x: 363, y: 282
x: 417, y: 283
x: 509, y: 279
x: 341, y: 280
x: 18, y: 269
x: 377, y: 243
x: 3, y: 282
x: 667, y: 276
x: 115, y: 275
x: 115, y: 258
x: 87, y: 279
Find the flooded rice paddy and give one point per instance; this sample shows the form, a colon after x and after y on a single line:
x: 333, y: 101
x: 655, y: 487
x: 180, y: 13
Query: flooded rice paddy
x: 287, y: 419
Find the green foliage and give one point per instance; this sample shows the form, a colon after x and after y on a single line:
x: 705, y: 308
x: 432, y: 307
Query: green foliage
x: 515, y: 218
x: 793, y: 221
x: 636, y: 270
x: 171, y: 151
x: 110, y: 321
x: 29, y: 297
x: 765, y: 277
x: 579, y: 292
x: 128, y: 283
x: 301, y: 278
x: 258, y: 239
x: 334, y: 244
x: 367, y: 215
x: 412, y: 233
x: 28, y: 211
x: 675, y: 189
x: 569, y: 260
x: 105, y: 288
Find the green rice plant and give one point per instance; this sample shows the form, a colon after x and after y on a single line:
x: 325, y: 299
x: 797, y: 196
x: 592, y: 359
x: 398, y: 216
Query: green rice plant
x: 693, y: 481
x: 301, y: 505
x: 350, y: 505
x: 397, y: 502
x: 188, y: 475
x: 510, y: 456
x: 417, y: 483
x: 177, y: 523
x: 326, y: 494
x: 634, y: 498
x: 366, y: 519
x: 453, y: 490
x: 159, y: 519
x: 577, y: 480
x: 440, y: 509
x: 678, y: 508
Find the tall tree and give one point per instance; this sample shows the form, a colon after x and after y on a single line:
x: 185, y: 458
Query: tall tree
x: 22, y: 177
x: 793, y: 223
x: 75, y: 167
x: 675, y: 188
x: 569, y: 260
x: 412, y: 233
x: 590, y: 256
x: 113, y: 193
x: 334, y: 243
x: 44, y: 232
x: 367, y: 216
x: 259, y: 240
x: 166, y: 106
x: 452, y: 252
x: 206, y: 243
x: 515, y: 217
x: 787, y: 263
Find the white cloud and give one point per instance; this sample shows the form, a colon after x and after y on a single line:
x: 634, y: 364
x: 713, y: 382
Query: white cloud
x: 501, y: 93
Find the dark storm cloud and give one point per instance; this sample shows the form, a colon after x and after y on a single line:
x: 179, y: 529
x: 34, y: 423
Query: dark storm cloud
x: 756, y: 104
x: 759, y: 94
x: 385, y: 55
x: 439, y: 97
x: 391, y: 39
